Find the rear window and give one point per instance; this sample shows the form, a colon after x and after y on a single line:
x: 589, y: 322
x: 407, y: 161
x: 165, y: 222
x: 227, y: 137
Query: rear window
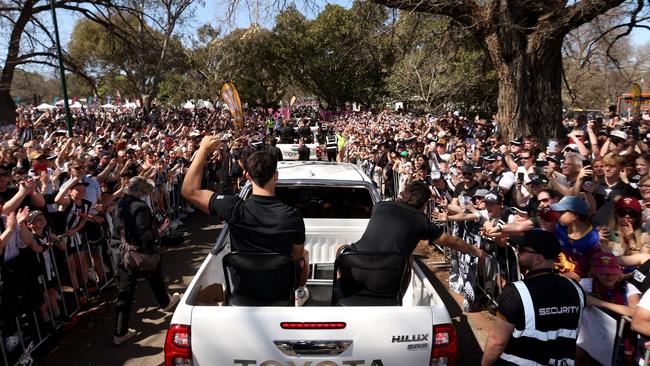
x: 328, y: 202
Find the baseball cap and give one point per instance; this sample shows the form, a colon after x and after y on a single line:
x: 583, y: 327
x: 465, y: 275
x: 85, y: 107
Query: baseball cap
x: 542, y: 242
x: 481, y: 193
x: 603, y: 262
x: 523, y: 209
x: 630, y: 203
x: 518, y: 141
x: 554, y: 159
x: 33, y: 215
x: 35, y: 155
x: 570, y: 147
x: 492, y: 197
x: 404, y: 153
x: 618, y: 133
x: 573, y: 204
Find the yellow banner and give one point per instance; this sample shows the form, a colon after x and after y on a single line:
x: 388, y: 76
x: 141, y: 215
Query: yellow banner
x: 230, y: 96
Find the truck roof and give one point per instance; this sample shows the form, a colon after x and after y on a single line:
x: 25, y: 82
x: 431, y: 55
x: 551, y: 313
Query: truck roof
x: 320, y: 171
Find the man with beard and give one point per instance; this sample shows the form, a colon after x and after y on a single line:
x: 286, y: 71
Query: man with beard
x: 538, y: 317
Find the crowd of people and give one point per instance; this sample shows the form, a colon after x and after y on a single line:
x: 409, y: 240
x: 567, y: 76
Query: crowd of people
x: 590, y: 188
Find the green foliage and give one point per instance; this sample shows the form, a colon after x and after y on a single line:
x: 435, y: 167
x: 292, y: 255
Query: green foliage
x: 120, y: 64
x: 340, y: 56
x: 441, y: 67
x: 365, y: 54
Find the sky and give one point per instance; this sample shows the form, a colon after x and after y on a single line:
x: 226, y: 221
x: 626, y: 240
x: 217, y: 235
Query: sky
x: 214, y: 12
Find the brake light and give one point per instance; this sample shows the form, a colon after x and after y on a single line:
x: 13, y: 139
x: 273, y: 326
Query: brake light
x: 444, y: 345
x: 178, y: 346
x: 313, y: 325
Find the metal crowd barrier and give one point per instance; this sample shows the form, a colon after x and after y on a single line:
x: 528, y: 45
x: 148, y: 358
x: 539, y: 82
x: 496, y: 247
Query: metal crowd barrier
x: 485, y: 277
x: 25, y: 331
x: 28, y: 331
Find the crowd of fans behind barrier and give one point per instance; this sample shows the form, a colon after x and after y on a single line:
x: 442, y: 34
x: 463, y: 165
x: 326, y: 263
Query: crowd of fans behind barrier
x: 486, y: 190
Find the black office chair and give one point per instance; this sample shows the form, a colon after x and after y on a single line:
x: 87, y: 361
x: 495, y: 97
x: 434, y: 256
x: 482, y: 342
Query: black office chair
x: 369, y: 279
x: 260, y: 279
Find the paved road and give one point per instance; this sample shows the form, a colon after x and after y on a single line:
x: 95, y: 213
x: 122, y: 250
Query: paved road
x: 89, y: 343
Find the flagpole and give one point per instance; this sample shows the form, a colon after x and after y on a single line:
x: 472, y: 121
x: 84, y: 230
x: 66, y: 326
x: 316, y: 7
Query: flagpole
x: 64, y: 88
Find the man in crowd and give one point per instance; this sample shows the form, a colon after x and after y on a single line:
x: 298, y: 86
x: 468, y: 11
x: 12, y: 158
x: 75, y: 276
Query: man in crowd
x: 135, y: 224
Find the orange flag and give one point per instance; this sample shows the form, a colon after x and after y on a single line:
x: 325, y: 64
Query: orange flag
x: 230, y: 96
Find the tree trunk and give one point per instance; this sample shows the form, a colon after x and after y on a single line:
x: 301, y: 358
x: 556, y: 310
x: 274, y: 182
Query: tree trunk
x: 7, y: 105
x: 530, y: 85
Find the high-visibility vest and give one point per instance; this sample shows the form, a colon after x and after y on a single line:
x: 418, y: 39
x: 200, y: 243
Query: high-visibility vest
x: 536, y: 343
x: 330, y: 142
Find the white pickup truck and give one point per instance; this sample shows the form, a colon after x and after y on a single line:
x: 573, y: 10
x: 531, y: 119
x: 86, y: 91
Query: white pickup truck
x: 336, y: 201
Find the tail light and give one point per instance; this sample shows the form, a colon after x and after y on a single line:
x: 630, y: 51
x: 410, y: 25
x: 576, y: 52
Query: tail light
x: 444, y: 345
x: 178, y: 347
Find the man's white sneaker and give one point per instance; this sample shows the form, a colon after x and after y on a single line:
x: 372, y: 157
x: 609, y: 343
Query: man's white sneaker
x: 301, y: 299
x: 117, y: 340
x: 173, y: 300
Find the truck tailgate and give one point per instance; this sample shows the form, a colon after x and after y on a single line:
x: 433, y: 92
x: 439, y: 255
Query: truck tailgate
x: 254, y: 336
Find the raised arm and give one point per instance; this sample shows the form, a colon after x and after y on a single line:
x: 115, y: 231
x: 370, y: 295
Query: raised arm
x: 191, y: 188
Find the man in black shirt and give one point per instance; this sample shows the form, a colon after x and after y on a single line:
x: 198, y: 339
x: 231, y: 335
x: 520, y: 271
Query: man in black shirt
x: 303, y: 151
x: 304, y: 131
x: 538, y: 318
x: 260, y: 224
x: 399, y: 226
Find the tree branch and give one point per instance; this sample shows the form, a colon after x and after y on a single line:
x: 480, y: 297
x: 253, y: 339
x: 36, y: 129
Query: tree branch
x: 465, y: 12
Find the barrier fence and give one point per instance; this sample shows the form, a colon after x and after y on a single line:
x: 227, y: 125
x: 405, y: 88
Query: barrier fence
x: 42, y: 292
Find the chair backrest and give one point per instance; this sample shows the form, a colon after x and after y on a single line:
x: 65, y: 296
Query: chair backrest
x: 371, y: 274
x: 260, y: 276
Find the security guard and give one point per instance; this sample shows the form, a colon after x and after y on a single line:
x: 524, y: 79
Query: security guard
x: 331, y: 145
x: 538, y: 318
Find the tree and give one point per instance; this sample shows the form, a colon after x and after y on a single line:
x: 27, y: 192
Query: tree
x: 31, y: 40
x: 599, y: 67
x: 116, y: 63
x: 440, y: 65
x: 242, y: 56
x: 343, y: 55
x: 524, y: 41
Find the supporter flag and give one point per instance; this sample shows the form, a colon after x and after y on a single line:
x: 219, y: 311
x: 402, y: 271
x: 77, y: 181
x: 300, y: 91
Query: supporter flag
x: 108, y: 99
x: 636, y: 102
x: 118, y: 98
x: 17, y: 100
x: 96, y: 100
x: 74, y: 99
x: 54, y: 100
x: 230, y: 96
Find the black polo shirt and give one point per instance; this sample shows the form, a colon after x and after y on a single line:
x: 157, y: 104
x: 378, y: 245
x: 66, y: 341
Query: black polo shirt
x: 260, y: 224
x: 396, y: 227
x: 303, y: 153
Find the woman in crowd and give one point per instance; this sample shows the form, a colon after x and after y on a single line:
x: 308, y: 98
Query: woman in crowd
x: 623, y: 234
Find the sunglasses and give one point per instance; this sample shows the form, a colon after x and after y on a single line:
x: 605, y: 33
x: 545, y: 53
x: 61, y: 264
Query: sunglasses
x: 627, y: 212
